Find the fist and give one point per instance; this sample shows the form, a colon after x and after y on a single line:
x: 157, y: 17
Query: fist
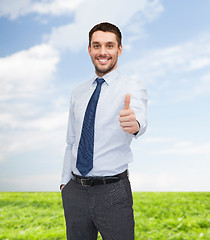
x: 127, y: 118
x: 62, y: 186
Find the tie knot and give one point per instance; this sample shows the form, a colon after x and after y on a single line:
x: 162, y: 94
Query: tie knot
x: 100, y: 80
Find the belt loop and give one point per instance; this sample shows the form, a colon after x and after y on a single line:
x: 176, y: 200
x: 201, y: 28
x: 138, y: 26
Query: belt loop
x: 104, y: 180
x: 92, y: 183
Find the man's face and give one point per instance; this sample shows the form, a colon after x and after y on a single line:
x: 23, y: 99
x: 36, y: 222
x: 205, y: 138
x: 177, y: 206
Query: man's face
x: 104, y: 52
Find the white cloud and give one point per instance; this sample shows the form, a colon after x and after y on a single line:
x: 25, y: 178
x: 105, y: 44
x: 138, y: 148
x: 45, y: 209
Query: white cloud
x: 39, y: 182
x: 186, y: 148
x: 53, y: 120
x: 178, y: 72
x: 41, y: 133
x: 14, y: 118
x: 74, y: 35
x: 157, y: 140
x: 28, y: 71
x: 26, y: 83
x: 55, y: 7
x: 204, y: 85
x: 191, y: 180
x: 173, y: 146
x: 15, y: 9
x: 182, y: 58
x: 135, y: 28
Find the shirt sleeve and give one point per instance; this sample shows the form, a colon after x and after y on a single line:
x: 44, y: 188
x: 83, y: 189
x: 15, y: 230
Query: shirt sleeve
x: 70, y: 138
x: 139, y: 105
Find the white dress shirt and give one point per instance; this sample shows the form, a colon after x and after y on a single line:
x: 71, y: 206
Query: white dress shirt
x: 112, y: 151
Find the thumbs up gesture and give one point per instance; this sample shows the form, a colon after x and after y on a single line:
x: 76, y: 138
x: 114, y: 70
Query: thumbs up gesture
x: 127, y: 118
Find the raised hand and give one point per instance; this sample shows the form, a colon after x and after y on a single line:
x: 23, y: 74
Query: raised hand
x: 127, y: 117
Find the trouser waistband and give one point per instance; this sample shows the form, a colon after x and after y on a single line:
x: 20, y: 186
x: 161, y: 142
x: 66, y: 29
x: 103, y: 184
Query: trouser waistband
x: 92, y: 181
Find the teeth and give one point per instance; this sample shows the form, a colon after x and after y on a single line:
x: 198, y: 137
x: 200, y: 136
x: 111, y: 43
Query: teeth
x: 103, y: 60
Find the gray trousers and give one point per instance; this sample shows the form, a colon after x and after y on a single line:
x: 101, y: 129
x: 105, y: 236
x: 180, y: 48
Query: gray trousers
x: 107, y: 209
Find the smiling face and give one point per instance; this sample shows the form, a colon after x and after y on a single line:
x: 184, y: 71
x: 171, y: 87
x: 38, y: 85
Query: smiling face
x: 104, y: 52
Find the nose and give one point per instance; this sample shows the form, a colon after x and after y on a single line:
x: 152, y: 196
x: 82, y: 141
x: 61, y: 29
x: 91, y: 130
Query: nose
x: 103, y: 50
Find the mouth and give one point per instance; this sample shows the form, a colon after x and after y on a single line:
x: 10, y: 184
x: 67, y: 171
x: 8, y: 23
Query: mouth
x: 103, y: 61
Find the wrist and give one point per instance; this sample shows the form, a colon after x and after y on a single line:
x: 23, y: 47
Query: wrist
x: 138, y: 128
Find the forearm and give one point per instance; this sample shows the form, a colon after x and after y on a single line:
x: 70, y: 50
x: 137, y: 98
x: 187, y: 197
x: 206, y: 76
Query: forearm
x: 140, y: 110
x: 66, y: 172
x: 67, y: 163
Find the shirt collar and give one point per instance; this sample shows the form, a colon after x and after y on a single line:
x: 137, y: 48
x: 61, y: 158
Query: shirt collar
x: 109, y: 77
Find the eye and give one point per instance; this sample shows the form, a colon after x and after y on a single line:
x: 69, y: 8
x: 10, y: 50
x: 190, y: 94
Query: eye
x: 110, y: 46
x: 96, y: 46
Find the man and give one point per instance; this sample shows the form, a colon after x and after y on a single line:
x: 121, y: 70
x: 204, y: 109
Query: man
x: 106, y: 113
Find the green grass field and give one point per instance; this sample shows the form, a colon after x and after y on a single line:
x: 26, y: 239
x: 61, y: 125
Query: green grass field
x: 164, y: 216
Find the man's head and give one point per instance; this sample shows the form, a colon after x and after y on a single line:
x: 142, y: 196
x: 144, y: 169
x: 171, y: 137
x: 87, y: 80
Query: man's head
x: 105, y: 47
x: 106, y: 27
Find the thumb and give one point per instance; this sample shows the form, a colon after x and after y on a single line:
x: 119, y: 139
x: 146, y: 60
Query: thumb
x: 127, y: 102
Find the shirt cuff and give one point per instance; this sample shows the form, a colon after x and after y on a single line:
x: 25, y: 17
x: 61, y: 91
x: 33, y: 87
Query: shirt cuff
x: 139, y: 129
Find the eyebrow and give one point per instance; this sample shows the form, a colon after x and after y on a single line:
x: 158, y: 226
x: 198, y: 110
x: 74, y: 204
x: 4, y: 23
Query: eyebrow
x: 95, y: 42
x: 106, y: 42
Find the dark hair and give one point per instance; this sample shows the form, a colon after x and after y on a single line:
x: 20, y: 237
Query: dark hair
x: 106, y: 27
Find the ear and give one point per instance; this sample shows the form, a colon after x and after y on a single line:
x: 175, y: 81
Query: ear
x: 89, y: 49
x: 120, y: 50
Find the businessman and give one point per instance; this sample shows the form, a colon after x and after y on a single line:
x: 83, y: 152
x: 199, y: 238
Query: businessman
x: 106, y: 113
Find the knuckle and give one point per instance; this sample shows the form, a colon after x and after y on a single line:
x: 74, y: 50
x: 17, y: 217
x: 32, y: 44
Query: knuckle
x: 133, y: 117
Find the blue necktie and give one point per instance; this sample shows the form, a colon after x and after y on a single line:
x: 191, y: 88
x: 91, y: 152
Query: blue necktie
x: 86, y: 144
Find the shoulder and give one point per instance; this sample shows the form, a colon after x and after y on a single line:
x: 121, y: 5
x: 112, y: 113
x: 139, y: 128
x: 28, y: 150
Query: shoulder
x: 81, y: 88
x: 132, y: 82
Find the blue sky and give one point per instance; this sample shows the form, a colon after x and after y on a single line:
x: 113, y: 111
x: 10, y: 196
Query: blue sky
x: 43, y: 56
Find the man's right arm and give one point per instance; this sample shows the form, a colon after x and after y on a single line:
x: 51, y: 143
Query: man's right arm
x: 66, y: 173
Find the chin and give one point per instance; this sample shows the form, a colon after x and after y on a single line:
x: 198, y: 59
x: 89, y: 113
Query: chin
x: 104, y: 71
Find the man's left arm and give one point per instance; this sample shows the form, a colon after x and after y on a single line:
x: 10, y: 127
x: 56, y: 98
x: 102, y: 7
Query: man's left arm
x: 133, y: 116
